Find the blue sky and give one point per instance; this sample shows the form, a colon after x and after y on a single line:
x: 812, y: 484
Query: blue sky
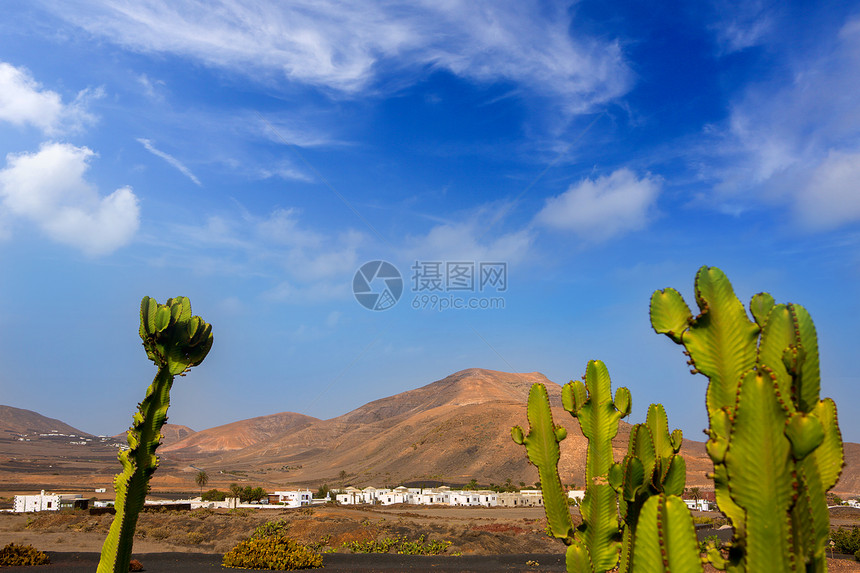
x: 252, y: 156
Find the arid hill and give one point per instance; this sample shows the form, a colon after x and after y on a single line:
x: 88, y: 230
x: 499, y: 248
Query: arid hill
x: 237, y: 435
x: 452, y: 430
x: 16, y: 422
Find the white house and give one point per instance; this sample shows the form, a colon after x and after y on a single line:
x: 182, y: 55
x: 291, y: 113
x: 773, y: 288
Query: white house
x: 297, y: 498
x: 38, y: 502
x: 349, y: 496
x: 576, y: 494
x: 700, y: 505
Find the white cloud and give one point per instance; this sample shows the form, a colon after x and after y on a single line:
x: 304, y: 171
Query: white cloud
x: 832, y: 195
x: 48, y: 188
x: 742, y: 24
x: 598, y: 209
x: 170, y: 159
x: 794, y: 140
x: 346, y: 47
x: 24, y: 102
x: 151, y: 88
x: 470, y: 238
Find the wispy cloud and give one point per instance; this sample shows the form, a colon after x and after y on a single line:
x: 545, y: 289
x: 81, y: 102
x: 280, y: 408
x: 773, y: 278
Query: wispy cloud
x: 598, y: 209
x: 151, y: 88
x: 170, y: 159
x: 48, y: 188
x: 23, y: 101
x: 299, y: 263
x: 742, y: 24
x: 794, y: 140
x: 348, y: 48
x: 470, y: 236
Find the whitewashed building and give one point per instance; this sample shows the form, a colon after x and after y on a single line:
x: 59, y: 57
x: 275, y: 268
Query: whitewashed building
x: 39, y: 502
x: 700, y: 504
x: 297, y: 498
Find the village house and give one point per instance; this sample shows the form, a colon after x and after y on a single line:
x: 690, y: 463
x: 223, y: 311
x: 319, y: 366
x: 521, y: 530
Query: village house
x: 49, y: 502
x: 295, y: 498
x: 443, y: 495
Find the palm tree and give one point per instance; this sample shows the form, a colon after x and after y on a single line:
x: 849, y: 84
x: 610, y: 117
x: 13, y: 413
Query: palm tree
x: 202, y: 479
x: 696, y: 493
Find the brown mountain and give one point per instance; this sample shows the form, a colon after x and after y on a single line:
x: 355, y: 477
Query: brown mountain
x: 237, y: 435
x: 172, y: 433
x: 17, y: 422
x: 453, y: 430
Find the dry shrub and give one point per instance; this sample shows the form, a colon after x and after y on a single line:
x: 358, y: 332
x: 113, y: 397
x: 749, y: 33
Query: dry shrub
x: 195, y: 538
x: 22, y: 555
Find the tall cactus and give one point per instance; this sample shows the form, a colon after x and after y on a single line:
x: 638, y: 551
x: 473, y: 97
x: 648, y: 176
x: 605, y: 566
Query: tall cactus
x: 597, y: 539
x: 542, y: 446
x: 175, y: 341
x: 767, y: 423
x: 594, y: 545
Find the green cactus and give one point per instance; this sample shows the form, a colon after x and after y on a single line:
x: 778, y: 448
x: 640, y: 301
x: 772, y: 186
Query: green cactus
x: 597, y: 540
x: 542, y: 446
x: 767, y: 423
x: 594, y: 545
x: 651, y: 467
x: 666, y: 538
x: 175, y: 341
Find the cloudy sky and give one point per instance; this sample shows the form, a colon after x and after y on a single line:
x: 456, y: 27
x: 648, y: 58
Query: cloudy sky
x: 549, y: 163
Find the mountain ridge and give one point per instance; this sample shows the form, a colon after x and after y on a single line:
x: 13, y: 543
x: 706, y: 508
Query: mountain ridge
x: 453, y: 429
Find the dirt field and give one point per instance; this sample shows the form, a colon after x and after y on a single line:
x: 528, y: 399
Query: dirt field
x: 480, y: 531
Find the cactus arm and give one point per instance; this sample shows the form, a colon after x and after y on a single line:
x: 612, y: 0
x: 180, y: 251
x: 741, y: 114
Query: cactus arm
x: 175, y: 341
x: 776, y: 337
x: 817, y: 473
x: 807, y: 378
x: 542, y: 446
x: 721, y: 340
x: 760, y: 306
x: 828, y: 458
x: 759, y: 453
x: 666, y: 538
x: 576, y: 558
x: 670, y: 315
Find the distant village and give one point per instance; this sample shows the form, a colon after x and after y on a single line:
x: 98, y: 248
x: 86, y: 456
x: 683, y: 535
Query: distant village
x: 347, y: 496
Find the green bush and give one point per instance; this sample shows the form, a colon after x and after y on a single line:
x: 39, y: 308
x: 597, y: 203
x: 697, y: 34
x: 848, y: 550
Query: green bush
x: 706, y: 543
x: 846, y: 540
x: 214, y: 495
x: 857, y: 555
x: 272, y: 529
x: 277, y: 553
x: 13, y: 555
x: 399, y: 545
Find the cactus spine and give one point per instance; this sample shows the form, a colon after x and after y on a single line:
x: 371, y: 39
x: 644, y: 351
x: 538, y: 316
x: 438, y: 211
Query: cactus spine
x: 175, y: 341
x: 767, y: 423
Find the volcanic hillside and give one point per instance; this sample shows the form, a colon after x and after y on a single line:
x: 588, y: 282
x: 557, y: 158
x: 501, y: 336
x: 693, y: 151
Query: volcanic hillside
x: 451, y: 430
x: 237, y: 435
x: 15, y: 422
